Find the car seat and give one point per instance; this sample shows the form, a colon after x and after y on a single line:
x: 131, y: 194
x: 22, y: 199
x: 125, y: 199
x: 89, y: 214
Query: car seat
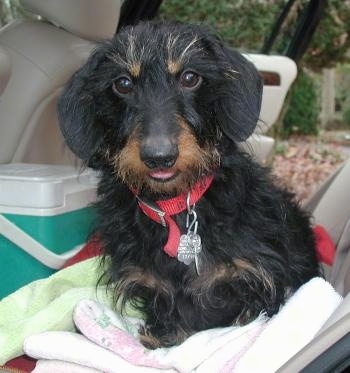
x: 38, y: 54
x: 329, y: 351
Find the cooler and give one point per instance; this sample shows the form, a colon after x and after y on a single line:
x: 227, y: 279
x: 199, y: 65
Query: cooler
x: 45, y: 218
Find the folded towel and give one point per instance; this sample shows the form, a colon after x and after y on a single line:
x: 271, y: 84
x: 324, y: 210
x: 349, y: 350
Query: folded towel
x: 117, y: 334
x: 109, y: 341
x: 47, y: 305
x: 56, y: 366
x: 292, y: 328
x: 73, y: 347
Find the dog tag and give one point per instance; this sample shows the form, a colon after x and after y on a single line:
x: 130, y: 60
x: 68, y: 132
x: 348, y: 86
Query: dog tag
x: 189, y: 248
x: 197, y: 263
x: 197, y: 247
x: 186, y: 252
x: 190, y: 244
x: 196, y: 242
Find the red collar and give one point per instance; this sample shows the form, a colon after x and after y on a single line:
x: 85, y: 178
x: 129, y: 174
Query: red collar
x: 162, y: 211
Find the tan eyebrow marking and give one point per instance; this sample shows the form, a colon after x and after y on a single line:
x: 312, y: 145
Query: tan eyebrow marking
x: 133, y: 57
x: 135, y: 69
x: 175, y: 63
x: 174, y: 66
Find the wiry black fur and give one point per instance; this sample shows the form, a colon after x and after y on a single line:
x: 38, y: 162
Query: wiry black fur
x: 257, y: 244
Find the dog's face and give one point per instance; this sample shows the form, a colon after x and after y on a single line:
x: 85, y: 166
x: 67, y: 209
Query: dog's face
x: 157, y: 103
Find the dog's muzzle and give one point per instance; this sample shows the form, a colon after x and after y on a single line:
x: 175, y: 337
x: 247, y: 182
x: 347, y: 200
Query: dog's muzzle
x: 158, y: 152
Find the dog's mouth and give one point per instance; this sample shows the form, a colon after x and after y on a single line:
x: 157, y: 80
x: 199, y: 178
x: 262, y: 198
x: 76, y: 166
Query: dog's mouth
x: 163, y: 176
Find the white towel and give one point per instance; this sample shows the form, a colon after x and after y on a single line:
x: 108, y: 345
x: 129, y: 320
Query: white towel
x: 292, y: 328
x: 108, y: 342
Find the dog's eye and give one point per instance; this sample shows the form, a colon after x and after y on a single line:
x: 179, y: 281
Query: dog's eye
x: 122, y: 85
x: 190, y: 80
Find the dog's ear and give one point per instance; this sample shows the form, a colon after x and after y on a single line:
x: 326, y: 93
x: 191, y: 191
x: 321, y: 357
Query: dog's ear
x: 238, y: 108
x: 76, y: 111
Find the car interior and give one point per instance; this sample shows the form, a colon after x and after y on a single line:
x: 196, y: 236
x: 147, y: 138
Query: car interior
x: 39, y: 53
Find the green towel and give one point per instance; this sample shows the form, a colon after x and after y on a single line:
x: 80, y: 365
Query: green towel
x: 47, y: 304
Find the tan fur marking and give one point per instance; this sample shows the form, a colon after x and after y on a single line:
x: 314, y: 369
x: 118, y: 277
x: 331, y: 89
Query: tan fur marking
x: 175, y: 63
x: 148, y: 340
x: 133, y: 57
x: 174, y: 67
x: 239, y: 268
x: 193, y: 162
x: 128, y: 164
x: 135, y: 69
x: 133, y: 276
x: 192, y: 155
x: 257, y: 271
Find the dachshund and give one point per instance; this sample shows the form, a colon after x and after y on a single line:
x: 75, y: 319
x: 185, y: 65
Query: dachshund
x: 195, y: 233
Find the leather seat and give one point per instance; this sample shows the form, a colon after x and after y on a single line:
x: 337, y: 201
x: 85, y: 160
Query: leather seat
x: 37, y: 57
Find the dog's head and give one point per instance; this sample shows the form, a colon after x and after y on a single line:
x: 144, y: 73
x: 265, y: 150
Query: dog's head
x: 157, y: 102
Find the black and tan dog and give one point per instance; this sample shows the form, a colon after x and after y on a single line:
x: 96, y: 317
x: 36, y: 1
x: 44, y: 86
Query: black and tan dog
x: 198, y: 235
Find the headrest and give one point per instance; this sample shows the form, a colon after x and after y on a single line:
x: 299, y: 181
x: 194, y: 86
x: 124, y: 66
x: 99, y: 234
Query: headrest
x: 89, y: 19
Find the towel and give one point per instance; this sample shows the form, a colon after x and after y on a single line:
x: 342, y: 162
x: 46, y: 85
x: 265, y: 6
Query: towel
x: 119, y: 335
x: 292, y: 328
x: 57, y: 366
x: 48, y: 304
x: 75, y: 348
x: 109, y: 343
x: 190, y: 356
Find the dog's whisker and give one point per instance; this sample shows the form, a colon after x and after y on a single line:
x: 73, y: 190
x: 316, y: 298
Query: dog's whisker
x: 171, y: 42
x: 231, y: 74
x: 188, y: 50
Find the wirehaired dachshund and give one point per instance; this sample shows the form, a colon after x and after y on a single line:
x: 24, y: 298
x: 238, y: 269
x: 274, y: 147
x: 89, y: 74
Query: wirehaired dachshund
x: 194, y: 231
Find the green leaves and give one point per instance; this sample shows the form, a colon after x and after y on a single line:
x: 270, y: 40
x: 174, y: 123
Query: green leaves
x: 304, y: 108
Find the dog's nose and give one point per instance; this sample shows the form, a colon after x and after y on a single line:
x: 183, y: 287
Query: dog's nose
x: 159, y: 154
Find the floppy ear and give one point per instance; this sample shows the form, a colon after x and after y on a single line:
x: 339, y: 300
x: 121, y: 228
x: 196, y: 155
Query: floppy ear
x: 238, y: 109
x: 76, y: 111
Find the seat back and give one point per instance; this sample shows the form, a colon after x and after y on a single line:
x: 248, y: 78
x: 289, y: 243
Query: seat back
x: 331, y: 209
x: 43, y: 54
x: 329, y: 350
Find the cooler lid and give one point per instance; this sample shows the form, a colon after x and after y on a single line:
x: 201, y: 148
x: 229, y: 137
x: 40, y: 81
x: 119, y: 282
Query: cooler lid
x: 41, y: 186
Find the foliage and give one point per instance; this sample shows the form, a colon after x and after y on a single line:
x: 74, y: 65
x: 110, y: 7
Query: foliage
x: 346, y: 116
x: 245, y: 24
x: 230, y: 19
x: 342, y: 88
x: 303, y: 111
x: 331, y: 40
x: 9, y: 9
x: 5, y: 15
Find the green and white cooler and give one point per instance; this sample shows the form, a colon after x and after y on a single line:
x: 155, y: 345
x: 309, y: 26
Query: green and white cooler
x: 45, y: 218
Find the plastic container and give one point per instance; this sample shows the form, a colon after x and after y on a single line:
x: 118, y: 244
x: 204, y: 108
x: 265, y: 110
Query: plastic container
x: 45, y: 218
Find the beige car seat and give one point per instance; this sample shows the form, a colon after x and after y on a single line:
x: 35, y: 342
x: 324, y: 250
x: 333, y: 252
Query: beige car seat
x: 37, y: 57
x: 329, y: 351
x: 330, y: 207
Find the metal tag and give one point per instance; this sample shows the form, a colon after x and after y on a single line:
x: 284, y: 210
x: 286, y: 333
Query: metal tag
x: 186, y: 251
x: 190, y: 243
x: 196, y: 242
